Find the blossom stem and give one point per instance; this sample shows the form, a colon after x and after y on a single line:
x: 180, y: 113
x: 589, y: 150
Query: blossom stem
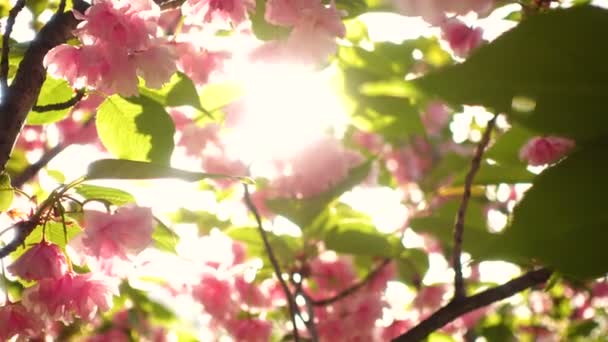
x: 293, y: 308
x: 459, y: 287
x: 62, y: 105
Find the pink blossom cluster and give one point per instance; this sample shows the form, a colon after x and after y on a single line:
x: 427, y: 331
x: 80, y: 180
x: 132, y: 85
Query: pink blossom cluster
x: 119, y: 44
x: 435, y: 11
x: 353, y: 318
x: 126, y: 321
x: 545, y: 150
x: 206, y: 144
x: 218, y: 11
x: 314, y: 29
x: 225, y: 294
x: 318, y: 167
x: 409, y: 163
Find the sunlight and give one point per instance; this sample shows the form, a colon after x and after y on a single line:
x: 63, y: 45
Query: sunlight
x: 285, y: 108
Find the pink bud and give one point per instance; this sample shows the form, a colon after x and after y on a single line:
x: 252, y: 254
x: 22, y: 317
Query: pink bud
x: 545, y: 150
x: 43, y: 260
x: 462, y: 38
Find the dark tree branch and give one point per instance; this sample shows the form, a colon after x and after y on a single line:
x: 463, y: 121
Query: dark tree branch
x: 455, y: 309
x: 6, y: 43
x: 352, y: 289
x: 62, y: 105
x: 459, y: 288
x: 293, y: 308
x: 310, y: 310
x: 23, y: 93
x: 33, y: 169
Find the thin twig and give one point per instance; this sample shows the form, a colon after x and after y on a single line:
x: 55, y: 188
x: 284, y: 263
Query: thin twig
x: 459, y: 289
x: 33, y: 169
x: 352, y: 289
x: 455, y: 309
x: 10, y: 22
x: 310, y: 310
x: 293, y: 308
x: 61, y: 105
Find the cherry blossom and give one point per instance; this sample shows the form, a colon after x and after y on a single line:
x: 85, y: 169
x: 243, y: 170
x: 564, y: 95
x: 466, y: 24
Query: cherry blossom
x: 318, y: 167
x: 72, y: 295
x: 315, y: 27
x: 545, y: 150
x: 461, y: 37
x: 216, y: 296
x: 435, y: 117
x: 198, y: 63
x: 126, y: 232
x: 16, y: 320
x: 250, y: 330
x: 43, y: 260
x: 434, y: 11
x: 332, y: 275
x: 218, y: 11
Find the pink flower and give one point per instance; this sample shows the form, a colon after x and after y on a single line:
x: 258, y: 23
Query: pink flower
x: 462, y: 38
x: 395, y: 329
x: 430, y: 296
x: 156, y: 64
x: 127, y: 231
x: 317, y: 168
x: 223, y: 11
x: 77, y: 132
x: 434, y: 11
x: 370, y: 141
x: 15, y: 320
x: 31, y: 138
x: 198, y: 63
x: 435, y: 117
x: 43, y: 260
x: 315, y: 27
x: 333, y: 275
x: 545, y: 150
x: 195, y: 138
x: 72, y: 295
x: 216, y: 296
x: 250, y: 293
x: 126, y: 24
x: 250, y: 330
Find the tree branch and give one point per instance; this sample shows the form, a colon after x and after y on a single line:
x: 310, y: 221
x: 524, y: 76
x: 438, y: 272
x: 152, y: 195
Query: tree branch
x: 23, y: 93
x: 459, y: 288
x: 352, y: 289
x: 6, y: 43
x: 61, y: 105
x: 455, y: 309
x: 293, y: 308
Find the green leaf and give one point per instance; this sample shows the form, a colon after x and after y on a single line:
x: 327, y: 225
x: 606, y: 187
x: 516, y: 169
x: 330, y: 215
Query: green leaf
x: 304, y: 211
x: 204, y: 220
x: 53, y: 91
x: 477, y: 241
x: 562, y: 219
x: 136, y: 129
x: 114, y: 196
x: 217, y: 95
x: 132, y: 169
x: 53, y: 233
x: 165, y: 239
x: 412, y: 265
x: 183, y: 93
x: 542, y: 72
x: 6, y: 192
x: 358, y: 237
x: 507, y: 146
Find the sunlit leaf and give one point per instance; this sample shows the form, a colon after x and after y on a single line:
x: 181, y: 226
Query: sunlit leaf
x: 111, y: 195
x: 53, y: 91
x: 6, y: 192
x: 136, y: 129
x: 132, y: 169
